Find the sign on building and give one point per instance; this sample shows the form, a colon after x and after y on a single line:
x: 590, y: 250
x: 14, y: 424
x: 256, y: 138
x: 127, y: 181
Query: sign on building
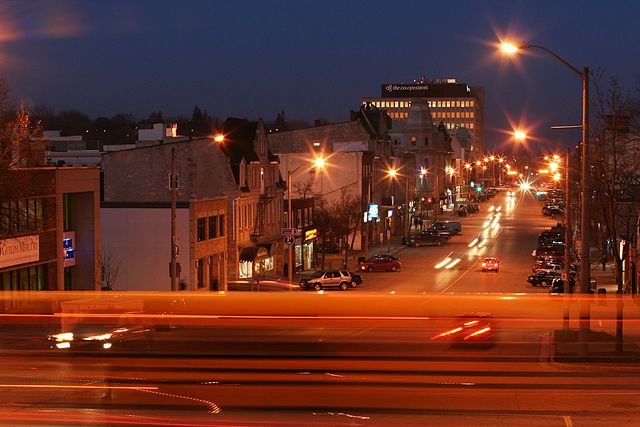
x: 19, y: 250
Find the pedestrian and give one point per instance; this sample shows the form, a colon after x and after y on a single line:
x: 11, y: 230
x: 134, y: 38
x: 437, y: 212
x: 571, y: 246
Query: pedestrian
x: 604, y: 261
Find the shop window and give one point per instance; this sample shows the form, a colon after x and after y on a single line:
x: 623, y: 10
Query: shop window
x: 200, y: 268
x: 201, y: 228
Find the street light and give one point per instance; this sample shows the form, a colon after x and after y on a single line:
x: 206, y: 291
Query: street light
x: 219, y: 138
x: 519, y: 135
x: 585, y: 199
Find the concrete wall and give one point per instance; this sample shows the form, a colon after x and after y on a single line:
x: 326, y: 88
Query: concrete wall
x: 83, y: 186
x: 136, y: 238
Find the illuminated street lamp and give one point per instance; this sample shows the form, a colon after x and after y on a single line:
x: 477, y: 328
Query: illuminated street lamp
x: 219, y: 138
x: 519, y: 135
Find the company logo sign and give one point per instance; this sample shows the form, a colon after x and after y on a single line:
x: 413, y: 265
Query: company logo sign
x: 402, y: 90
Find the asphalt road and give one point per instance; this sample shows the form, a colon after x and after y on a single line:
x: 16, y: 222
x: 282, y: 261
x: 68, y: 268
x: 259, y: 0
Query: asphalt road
x: 511, y: 241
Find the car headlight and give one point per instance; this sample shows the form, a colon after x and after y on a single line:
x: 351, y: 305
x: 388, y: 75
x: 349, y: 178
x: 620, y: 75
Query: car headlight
x: 64, y: 336
x: 102, y: 337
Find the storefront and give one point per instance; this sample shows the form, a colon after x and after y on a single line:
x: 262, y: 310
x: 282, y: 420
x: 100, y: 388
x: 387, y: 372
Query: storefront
x: 257, y: 261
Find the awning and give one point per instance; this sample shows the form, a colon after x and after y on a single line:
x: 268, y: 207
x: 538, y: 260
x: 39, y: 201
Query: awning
x: 252, y: 252
x: 249, y: 254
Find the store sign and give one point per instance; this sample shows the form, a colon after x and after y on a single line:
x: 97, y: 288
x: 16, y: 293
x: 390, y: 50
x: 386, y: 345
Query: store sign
x: 19, y: 250
x: 310, y: 234
x: 374, y: 211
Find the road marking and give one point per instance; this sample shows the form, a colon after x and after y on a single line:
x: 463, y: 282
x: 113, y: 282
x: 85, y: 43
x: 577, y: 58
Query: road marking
x: 567, y: 421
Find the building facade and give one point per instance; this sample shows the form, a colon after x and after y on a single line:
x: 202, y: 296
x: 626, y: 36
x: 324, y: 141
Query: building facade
x: 456, y: 105
x: 49, y: 229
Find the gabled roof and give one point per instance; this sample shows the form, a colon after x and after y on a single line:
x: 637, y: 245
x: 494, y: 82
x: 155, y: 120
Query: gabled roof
x: 238, y: 140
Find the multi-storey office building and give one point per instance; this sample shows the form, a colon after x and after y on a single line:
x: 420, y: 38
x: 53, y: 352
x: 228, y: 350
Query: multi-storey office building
x: 456, y: 105
x: 49, y: 229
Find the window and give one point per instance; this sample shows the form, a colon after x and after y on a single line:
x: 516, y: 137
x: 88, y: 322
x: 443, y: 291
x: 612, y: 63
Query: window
x: 470, y: 125
x: 201, y: 227
x: 448, y: 104
x: 200, y: 267
x: 426, y: 141
x: 470, y: 103
x: 413, y: 140
x: 213, y: 227
x: 471, y: 114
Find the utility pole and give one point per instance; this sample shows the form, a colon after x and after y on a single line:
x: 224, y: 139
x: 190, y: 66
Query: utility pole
x: 290, y: 226
x: 567, y: 241
x: 173, y: 184
x: 585, y: 222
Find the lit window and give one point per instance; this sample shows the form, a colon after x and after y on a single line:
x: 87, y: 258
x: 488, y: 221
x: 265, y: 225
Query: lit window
x: 438, y: 104
x: 470, y: 103
x: 457, y: 114
x: 448, y: 104
x: 429, y: 103
x: 470, y: 125
x: 397, y: 104
x: 409, y: 104
x: 471, y: 114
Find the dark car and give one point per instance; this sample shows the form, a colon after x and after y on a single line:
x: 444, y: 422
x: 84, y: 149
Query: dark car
x: 542, y: 278
x: 130, y: 337
x: 473, y: 208
x: 356, y: 278
x: 557, y: 286
x: 552, y: 210
x: 381, y: 263
x: 327, y: 248
x: 441, y: 229
x: 427, y: 238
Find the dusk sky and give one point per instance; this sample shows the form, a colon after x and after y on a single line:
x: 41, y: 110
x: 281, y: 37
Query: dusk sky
x: 312, y: 59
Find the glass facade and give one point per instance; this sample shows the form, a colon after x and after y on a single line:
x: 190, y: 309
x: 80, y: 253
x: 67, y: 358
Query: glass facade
x: 25, y: 279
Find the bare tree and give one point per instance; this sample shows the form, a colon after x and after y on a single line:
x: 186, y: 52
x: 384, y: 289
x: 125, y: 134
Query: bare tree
x: 304, y: 188
x: 109, y: 270
x: 346, y: 212
x: 21, y: 146
x: 617, y: 167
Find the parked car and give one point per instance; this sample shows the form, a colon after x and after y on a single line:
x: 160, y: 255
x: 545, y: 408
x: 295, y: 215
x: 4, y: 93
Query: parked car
x: 381, y: 263
x: 441, y: 229
x: 454, y: 226
x: 542, y: 278
x: 491, y: 264
x: 552, y: 210
x: 427, y: 238
x: 473, y: 208
x: 356, y: 278
x: 557, y: 286
x: 326, y: 279
x: 327, y: 248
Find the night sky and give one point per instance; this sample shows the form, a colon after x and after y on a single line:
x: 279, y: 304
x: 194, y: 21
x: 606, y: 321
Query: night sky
x: 310, y: 59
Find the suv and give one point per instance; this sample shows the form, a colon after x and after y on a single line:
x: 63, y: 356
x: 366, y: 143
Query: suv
x: 356, y: 278
x: 427, y: 237
x: 327, y: 279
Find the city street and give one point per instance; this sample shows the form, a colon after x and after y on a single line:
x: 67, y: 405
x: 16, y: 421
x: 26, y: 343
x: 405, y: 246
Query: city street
x: 511, y: 241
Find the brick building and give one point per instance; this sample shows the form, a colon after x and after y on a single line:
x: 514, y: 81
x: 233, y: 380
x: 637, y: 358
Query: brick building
x: 49, y: 229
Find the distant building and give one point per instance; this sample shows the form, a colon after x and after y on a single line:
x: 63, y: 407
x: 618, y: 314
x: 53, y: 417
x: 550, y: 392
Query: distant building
x: 350, y: 150
x: 50, y: 229
x: 228, y: 212
x: 456, y: 105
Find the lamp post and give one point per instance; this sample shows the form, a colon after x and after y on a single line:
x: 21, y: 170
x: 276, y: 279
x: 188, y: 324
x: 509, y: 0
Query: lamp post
x: 585, y: 199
